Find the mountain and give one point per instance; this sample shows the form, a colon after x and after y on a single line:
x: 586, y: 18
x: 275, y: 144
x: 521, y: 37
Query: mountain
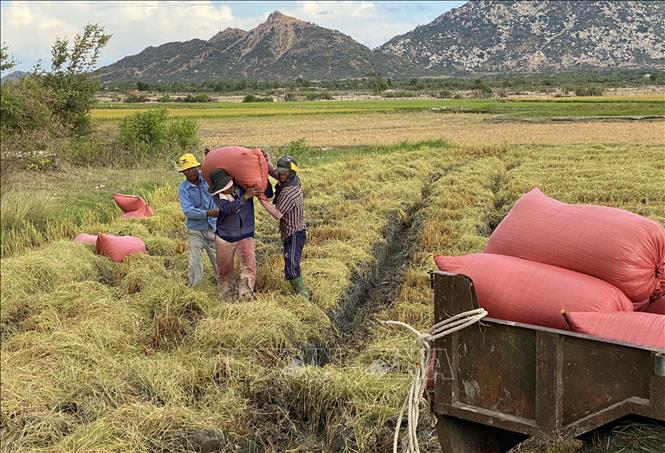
x: 14, y: 75
x: 537, y: 36
x: 280, y: 48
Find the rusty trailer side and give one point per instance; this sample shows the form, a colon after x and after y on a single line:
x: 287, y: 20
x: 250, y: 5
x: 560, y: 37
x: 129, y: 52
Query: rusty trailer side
x: 499, y: 382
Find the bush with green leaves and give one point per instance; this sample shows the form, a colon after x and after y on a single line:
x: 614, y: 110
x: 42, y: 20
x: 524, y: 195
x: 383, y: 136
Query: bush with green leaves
x: 588, y: 91
x: 183, y: 134
x: 151, y: 133
x: 252, y: 98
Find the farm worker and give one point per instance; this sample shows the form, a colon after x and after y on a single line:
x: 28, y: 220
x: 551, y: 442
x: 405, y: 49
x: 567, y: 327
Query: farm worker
x: 289, y: 209
x: 200, y: 213
x: 235, y: 234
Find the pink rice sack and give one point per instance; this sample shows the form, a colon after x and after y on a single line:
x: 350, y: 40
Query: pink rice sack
x: 247, y: 167
x: 128, y: 203
x: 145, y: 211
x: 646, y: 329
x: 86, y: 238
x: 530, y: 292
x: 117, y: 248
x: 622, y: 248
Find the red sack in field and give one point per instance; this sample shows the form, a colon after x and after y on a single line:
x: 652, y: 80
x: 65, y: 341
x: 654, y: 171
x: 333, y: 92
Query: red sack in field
x: 639, y: 328
x: 534, y: 293
x: 129, y: 203
x: 117, y: 248
x: 86, y: 238
x: 622, y: 248
x: 247, y: 167
x: 145, y: 211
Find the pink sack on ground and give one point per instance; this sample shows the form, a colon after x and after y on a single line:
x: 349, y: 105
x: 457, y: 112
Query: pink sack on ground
x: 526, y: 291
x: 645, y: 329
x: 247, y: 167
x: 86, y: 238
x: 117, y: 248
x: 622, y: 248
x: 145, y: 211
x: 129, y: 203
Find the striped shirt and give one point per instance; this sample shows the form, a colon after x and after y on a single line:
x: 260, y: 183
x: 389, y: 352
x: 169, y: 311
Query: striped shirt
x: 291, y: 204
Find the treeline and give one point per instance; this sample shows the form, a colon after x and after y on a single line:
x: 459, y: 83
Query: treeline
x: 377, y: 83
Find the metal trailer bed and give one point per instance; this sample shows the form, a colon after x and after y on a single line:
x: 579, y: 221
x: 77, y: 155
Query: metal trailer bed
x: 498, y: 382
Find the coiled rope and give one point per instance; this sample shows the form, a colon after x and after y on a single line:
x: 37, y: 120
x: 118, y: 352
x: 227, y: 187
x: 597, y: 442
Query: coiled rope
x: 414, y: 397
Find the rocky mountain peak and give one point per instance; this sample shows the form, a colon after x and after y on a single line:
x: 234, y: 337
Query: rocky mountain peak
x: 278, y: 18
x: 228, y: 33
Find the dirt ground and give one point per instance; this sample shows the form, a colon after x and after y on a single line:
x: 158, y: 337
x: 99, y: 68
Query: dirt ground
x: 390, y: 128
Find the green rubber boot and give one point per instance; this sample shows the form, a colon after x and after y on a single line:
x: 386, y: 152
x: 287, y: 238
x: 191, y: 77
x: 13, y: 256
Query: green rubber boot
x: 298, y: 286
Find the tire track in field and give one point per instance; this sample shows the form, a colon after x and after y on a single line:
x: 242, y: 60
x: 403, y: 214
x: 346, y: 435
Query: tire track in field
x: 379, y: 284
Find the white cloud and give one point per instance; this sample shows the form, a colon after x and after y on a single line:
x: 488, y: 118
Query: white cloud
x: 365, y: 21
x: 29, y: 28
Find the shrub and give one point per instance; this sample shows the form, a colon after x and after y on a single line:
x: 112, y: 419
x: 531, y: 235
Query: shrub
x: 588, y: 91
x: 252, y: 98
x: 201, y: 97
x: 165, y: 98
x: 136, y: 98
x: 143, y: 128
x: 318, y: 96
x: 182, y: 132
x: 150, y: 134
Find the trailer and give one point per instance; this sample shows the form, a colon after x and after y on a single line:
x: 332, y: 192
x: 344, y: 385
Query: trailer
x: 498, y: 382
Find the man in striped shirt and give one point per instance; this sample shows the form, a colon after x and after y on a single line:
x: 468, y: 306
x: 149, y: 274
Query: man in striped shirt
x: 289, y: 209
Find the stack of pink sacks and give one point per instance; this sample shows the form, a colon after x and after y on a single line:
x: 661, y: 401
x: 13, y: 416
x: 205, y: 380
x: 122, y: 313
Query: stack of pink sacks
x: 132, y: 206
x: 601, y: 267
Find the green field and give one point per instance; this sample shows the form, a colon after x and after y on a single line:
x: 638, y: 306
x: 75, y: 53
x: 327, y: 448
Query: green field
x: 645, y: 106
x: 98, y: 356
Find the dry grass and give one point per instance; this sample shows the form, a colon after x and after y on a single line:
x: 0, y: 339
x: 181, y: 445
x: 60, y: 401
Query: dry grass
x: 392, y: 128
x: 92, y: 323
x: 98, y: 356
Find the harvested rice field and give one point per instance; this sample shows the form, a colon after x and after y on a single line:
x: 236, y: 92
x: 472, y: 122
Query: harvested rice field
x: 102, y: 356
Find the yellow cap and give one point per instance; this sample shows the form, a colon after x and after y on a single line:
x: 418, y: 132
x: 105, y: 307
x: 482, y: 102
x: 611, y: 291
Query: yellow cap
x: 187, y: 161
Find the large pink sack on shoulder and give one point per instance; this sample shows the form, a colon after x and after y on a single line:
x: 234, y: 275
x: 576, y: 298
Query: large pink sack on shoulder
x: 639, y: 328
x: 247, y: 167
x: 129, y: 203
x: 622, y: 248
x: 117, y: 248
x: 534, y: 293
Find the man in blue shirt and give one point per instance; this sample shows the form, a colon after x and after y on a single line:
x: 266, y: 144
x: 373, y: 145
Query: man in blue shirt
x: 200, y: 211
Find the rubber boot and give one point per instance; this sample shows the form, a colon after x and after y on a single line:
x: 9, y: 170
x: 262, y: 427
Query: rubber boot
x: 298, y: 286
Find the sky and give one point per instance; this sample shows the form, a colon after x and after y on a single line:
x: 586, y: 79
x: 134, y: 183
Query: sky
x: 29, y: 28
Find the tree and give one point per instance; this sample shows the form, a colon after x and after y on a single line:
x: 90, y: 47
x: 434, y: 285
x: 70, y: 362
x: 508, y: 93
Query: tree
x: 70, y: 79
x: 6, y: 61
x: 376, y: 83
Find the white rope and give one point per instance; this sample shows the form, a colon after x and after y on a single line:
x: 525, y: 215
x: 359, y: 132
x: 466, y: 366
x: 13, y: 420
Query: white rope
x: 411, y: 406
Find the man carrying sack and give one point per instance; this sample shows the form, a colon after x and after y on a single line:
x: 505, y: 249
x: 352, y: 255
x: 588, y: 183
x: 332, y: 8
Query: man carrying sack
x: 200, y: 213
x: 234, y: 235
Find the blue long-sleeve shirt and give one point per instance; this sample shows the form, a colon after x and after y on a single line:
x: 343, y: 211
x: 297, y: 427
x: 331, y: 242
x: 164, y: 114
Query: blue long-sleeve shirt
x: 196, y: 201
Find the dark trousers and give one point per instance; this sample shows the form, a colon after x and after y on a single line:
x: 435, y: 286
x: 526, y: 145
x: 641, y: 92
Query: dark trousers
x: 293, y: 246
